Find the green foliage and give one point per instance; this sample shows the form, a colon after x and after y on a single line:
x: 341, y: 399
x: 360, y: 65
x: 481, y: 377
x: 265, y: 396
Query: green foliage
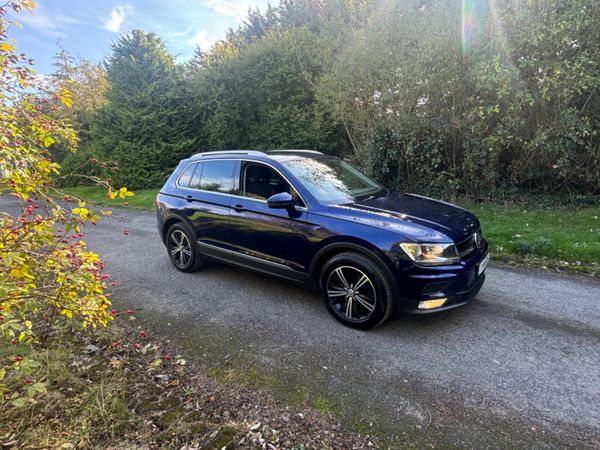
x: 145, y: 125
x: 86, y: 83
x: 448, y: 97
x: 264, y: 96
x: 536, y: 115
x: 512, y: 106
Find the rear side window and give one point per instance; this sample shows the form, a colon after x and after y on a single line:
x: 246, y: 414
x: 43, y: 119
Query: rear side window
x: 186, y: 176
x: 216, y: 176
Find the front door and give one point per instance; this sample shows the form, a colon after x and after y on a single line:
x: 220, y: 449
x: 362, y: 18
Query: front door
x: 263, y: 238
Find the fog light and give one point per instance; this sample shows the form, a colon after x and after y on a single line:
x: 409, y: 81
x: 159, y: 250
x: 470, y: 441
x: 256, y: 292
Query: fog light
x: 430, y: 304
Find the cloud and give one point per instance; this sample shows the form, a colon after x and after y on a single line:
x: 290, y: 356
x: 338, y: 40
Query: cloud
x: 202, y: 39
x: 183, y: 33
x: 38, y: 20
x: 117, y: 16
x: 234, y: 8
x: 49, y: 22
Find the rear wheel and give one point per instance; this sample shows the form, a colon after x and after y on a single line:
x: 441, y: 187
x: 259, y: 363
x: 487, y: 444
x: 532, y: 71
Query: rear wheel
x: 356, y: 290
x: 182, y: 249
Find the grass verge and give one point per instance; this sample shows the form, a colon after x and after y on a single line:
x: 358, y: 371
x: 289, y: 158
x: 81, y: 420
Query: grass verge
x: 117, y: 388
x: 143, y: 198
x: 548, y: 237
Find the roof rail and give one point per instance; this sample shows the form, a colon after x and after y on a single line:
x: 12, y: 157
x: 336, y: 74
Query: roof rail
x: 230, y: 152
x: 315, y: 152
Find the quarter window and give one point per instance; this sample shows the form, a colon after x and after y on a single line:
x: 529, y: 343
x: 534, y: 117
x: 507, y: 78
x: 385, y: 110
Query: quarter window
x: 186, y: 176
x: 195, y: 181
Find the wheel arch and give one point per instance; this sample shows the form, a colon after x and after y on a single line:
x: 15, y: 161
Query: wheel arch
x: 331, y: 249
x: 172, y: 220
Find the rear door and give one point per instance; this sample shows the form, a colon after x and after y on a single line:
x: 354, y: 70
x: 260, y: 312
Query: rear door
x: 207, y: 191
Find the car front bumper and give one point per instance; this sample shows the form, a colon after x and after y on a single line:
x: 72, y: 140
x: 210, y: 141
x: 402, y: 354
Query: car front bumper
x: 458, y: 283
x: 454, y: 301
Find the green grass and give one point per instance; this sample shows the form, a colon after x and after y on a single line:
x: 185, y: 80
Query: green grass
x: 143, y: 198
x: 565, y: 235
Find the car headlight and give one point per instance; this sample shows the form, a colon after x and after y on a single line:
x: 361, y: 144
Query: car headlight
x: 431, y: 254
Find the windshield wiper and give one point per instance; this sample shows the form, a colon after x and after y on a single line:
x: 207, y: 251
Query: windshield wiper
x: 379, y: 193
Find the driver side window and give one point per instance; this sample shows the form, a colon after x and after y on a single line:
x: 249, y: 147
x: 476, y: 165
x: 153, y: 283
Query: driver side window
x: 260, y: 181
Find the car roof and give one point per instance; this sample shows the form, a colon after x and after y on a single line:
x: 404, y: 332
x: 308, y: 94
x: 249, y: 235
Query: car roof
x: 267, y: 154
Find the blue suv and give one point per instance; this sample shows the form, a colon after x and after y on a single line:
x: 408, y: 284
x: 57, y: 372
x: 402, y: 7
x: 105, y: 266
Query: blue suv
x: 317, y: 220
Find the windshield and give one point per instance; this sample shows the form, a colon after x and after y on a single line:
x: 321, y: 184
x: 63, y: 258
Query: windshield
x: 331, y: 180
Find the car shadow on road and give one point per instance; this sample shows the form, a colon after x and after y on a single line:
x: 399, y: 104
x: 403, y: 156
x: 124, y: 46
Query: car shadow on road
x: 304, y: 298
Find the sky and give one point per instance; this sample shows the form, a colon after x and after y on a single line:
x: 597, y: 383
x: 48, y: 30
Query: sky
x: 86, y: 28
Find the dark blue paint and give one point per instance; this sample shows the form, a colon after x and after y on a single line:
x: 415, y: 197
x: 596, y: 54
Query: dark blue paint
x: 295, y: 242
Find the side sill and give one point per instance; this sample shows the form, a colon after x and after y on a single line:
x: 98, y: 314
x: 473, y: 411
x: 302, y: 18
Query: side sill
x: 252, y: 263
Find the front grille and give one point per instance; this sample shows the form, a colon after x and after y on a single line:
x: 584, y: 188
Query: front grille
x: 468, y: 246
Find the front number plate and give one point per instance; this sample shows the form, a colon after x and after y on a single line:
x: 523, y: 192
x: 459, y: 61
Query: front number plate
x: 483, y: 264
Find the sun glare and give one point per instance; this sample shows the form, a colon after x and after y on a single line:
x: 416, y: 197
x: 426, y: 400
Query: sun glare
x: 468, y: 22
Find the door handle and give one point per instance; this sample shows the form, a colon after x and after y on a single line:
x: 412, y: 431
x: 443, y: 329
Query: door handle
x: 189, y: 198
x: 238, y: 208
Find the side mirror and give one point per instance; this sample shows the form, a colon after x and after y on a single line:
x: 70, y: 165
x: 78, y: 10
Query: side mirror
x: 283, y: 200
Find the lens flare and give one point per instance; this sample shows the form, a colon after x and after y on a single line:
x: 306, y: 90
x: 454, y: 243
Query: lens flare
x: 468, y: 22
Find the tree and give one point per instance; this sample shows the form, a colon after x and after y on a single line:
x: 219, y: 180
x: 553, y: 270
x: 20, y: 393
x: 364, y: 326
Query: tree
x: 263, y: 95
x: 86, y: 83
x: 392, y: 86
x: 145, y: 124
x: 445, y: 97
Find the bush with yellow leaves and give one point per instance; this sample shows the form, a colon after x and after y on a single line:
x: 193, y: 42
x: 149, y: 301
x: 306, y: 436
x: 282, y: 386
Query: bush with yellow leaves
x: 46, y: 273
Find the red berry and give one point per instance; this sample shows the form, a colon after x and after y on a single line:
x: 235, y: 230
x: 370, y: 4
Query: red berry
x: 18, y: 358
x: 114, y: 344
x: 115, y: 312
x: 130, y: 311
x: 168, y: 358
x: 143, y: 334
x: 29, y: 381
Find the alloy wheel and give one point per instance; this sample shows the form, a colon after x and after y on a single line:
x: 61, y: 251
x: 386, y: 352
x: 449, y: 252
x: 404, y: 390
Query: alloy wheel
x: 351, y: 293
x: 180, y: 248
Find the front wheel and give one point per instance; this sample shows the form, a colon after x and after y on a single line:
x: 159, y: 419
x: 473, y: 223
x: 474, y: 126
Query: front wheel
x: 356, y: 291
x: 182, y: 249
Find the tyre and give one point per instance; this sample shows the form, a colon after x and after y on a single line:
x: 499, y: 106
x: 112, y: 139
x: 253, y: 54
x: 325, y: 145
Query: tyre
x: 356, y: 291
x: 182, y: 249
